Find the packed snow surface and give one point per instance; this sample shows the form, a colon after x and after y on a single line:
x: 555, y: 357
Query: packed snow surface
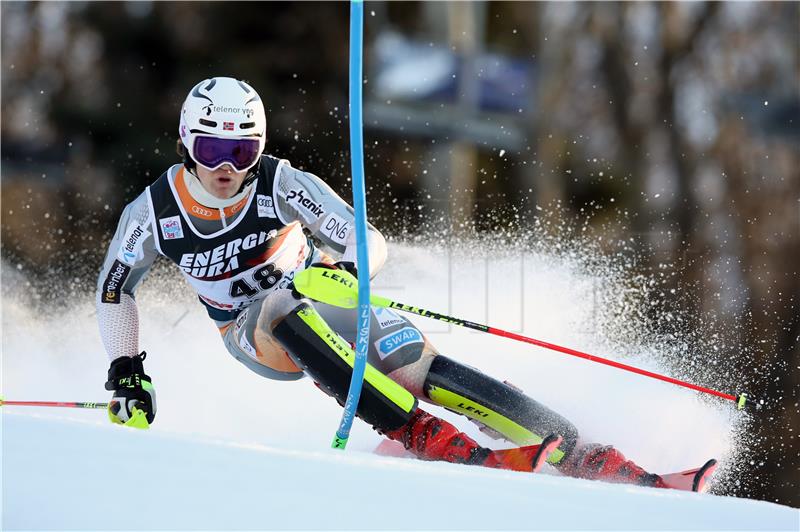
x: 70, y: 475
x: 231, y: 450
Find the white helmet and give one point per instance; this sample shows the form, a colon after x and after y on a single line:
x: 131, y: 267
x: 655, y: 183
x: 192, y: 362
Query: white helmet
x: 223, y: 121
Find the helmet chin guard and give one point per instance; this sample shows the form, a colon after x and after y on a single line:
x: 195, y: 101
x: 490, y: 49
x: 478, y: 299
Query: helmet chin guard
x: 224, y: 108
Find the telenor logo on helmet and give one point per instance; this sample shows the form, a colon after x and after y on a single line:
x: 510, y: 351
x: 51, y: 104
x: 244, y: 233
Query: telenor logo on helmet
x: 211, y: 108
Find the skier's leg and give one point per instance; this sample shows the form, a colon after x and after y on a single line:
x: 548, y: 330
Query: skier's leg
x: 403, y: 353
x: 397, y: 348
x: 496, y: 405
x: 391, y: 409
x: 432, y: 438
x: 604, y: 462
x: 328, y: 359
x: 249, y: 340
x: 258, y: 351
x: 520, y: 419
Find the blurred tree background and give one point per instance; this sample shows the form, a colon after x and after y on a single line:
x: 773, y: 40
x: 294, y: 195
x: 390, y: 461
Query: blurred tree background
x: 680, y: 119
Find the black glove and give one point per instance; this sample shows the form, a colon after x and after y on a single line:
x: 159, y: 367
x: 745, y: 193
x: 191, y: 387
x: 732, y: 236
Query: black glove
x: 134, y: 400
x: 348, y: 267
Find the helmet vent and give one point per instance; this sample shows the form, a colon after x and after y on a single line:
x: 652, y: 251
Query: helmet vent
x: 247, y: 125
x: 209, y: 123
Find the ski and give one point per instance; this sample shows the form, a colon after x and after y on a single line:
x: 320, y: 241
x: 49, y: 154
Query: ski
x: 392, y: 448
x: 692, y: 479
x: 549, y: 444
x: 695, y: 480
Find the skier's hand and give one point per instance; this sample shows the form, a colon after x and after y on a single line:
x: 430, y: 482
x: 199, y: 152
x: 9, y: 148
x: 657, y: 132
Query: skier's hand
x: 349, y: 267
x: 134, y: 401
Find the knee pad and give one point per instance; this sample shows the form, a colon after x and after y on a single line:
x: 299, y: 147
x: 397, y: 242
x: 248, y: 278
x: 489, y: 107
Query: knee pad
x: 497, y: 405
x: 328, y: 359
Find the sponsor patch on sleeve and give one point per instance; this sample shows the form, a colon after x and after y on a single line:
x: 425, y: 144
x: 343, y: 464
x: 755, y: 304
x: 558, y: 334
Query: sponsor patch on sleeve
x: 171, y: 227
x: 336, y: 228
x: 131, y: 249
x: 112, y: 286
x: 398, y: 339
x: 300, y: 199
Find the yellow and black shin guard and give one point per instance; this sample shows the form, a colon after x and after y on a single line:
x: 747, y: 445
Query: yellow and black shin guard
x: 496, y: 405
x: 323, y: 355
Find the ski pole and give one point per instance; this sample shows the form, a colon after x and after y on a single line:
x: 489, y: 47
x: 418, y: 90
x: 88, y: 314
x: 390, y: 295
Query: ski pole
x: 337, y: 288
x: 360, y: 212
x: 3, y: 402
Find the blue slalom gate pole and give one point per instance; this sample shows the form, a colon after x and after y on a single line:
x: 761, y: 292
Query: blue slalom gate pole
x: 360, y: 207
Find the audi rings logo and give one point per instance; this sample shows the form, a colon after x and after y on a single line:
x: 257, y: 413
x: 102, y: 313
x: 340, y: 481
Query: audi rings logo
x: 202, y: 211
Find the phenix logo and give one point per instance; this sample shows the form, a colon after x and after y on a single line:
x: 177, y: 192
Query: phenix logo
x: 223, y: 258
x: 300, y: 198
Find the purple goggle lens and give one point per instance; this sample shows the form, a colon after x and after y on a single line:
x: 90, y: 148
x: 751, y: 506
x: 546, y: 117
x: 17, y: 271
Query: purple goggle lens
x: 212, y: 152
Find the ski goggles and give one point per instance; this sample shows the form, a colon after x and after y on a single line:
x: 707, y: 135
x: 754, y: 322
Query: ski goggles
x: 213, y: 152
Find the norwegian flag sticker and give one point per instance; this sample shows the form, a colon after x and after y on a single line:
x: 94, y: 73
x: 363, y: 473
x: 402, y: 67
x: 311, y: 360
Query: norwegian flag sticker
x: 227, y: 126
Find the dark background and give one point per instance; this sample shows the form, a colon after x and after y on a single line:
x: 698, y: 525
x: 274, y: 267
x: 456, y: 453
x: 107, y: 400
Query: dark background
x: 670, y: 125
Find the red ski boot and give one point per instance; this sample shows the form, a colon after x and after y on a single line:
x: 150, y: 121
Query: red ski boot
x: 431, y: 438
x: 596, y: 462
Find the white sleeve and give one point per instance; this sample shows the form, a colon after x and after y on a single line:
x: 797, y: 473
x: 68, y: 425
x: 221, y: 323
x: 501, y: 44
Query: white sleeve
x: 305, y: 198
x: 130, y: 255
x: 119, y: 327
x: 376, y: 246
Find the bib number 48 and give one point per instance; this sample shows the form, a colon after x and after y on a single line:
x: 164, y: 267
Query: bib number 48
x: 264, y: 279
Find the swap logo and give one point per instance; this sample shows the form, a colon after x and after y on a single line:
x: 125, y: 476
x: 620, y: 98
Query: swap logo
x: 398, y: 339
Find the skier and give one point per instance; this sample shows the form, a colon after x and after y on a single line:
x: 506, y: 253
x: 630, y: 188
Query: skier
x: 233, y: 219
